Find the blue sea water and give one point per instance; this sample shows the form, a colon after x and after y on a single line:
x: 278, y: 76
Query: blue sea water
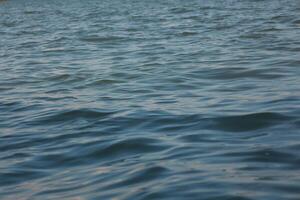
x: 148, y: 99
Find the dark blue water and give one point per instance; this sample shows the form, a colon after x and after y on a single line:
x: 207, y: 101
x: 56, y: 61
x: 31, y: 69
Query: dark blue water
x: 148, y: 99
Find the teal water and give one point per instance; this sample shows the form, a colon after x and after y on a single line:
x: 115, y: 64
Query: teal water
x: 150, y: 99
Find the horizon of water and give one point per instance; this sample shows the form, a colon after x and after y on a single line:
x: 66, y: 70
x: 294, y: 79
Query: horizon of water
x: 150, y: 99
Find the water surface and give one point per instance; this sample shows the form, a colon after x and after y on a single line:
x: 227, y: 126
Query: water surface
x: 111, y: 99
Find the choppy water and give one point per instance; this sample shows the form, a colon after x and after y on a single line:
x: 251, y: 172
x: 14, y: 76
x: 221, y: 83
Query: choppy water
x: 150, y: 99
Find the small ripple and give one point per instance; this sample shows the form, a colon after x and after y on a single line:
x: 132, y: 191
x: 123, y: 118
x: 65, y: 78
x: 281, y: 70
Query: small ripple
x: 239, y: 73
x: 142, y: 176
x: 180, y: 10
x: 59, y: 77
x: 106, y: 150
x: 297, y: 22
x: 51, y: 161
x: 128, y: 147
x: 249, y: 122
x: 32, y: 12
x: 58, y: 50
x: 103, y: 82
x: 71, y: 115
x: 266, y: 156
x: 101, y: 39
x: 187, y: 33
x: 19, y: 175
x: 166, y: 122
x: 196, y: 137
x: 52, y: 99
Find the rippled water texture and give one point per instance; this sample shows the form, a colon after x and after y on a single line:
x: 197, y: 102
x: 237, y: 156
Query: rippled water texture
x: 148, y: 99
